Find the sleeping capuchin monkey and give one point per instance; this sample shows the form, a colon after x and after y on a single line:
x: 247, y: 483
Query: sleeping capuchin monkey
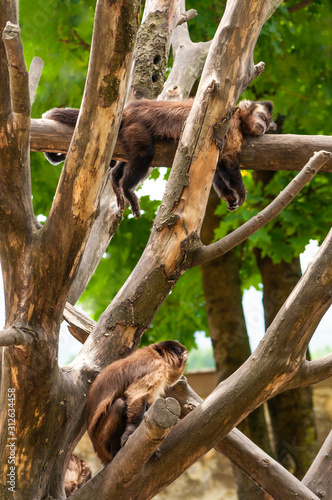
x: 123, y: 391
x: 144, y: 122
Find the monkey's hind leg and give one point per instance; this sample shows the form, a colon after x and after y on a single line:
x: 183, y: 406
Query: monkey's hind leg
x: 138, y: 144
x: 135, y: 413
x: 228, y: 183
x: 134, y: 172
x: 116, y: 174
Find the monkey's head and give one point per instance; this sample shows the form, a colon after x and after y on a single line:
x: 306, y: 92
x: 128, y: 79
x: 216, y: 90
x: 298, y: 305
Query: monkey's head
x: 175, y: 354
x: 256, y: 117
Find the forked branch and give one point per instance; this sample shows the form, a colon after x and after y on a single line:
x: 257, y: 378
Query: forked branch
x: 202, y: 253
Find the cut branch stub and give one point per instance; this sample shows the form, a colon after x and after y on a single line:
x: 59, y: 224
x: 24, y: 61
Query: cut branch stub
x: 140, y: 447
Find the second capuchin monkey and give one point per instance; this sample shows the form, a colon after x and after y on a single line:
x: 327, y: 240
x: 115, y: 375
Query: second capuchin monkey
x: 123, y: 391
x: 144, y: 122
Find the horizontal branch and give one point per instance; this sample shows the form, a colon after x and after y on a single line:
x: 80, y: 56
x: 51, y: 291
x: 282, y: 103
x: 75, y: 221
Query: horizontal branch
x: 312, y: 372
x: 141, y: 445
x: 204, y: 253
x: 15, y: 336
x: 268, y: 152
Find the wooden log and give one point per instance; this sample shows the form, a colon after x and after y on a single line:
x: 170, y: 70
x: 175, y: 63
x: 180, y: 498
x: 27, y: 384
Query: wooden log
x: 268, y: 152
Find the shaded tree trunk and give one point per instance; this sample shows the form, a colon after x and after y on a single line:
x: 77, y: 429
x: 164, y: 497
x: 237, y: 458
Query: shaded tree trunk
x: 292, y: 413
x: 223, y: 298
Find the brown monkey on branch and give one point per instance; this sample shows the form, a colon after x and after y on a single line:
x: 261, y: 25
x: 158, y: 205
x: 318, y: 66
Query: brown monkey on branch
x: 144, y: 122
x: 122, y: 393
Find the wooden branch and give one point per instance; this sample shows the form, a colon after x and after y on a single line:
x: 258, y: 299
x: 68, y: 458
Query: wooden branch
x: 268, y: 152
x: 18, y: 75
x: 8, y: 12
x: 189, y: 59
x: 203, y: 253
x: 16, y: 336
x: 141, y: 445
x: 35, y: 71
x: 318, y: 477
x: 263, y: 470
x: 283, y: 152
x: 80, y: 326
x: 312, y: 372
x: 266, y: 472
x: 184, y: 18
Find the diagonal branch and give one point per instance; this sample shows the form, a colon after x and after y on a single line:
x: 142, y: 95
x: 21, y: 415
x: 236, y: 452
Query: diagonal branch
x: 263, y: 470
x: 318, y: 477
x: 202, y: 253
x: 141, y: 445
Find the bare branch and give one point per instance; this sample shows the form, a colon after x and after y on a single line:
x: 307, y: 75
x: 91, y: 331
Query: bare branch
x: 312, y: 372
x: 184, y: 18
x: 18, y: 75
x: 266, y: 472
x: 189, y: 59
x: 203, y: 253
x: 16, y: 336
x: 318, y: 477
x: 80, y: 326
x: 35, y: 71
x: 267, y: 152
x: 141, y: 445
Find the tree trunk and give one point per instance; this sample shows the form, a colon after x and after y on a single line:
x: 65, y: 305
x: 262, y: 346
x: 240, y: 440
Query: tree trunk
x: 292, y: 413
x: 223, y: 299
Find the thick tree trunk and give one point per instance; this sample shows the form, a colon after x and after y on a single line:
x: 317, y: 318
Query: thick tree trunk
x: 223, y: 299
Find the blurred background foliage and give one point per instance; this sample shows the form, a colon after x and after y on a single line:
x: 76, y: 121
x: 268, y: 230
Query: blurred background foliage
x: 295, y: 45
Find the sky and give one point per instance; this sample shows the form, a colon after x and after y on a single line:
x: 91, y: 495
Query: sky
x: 252, y: 303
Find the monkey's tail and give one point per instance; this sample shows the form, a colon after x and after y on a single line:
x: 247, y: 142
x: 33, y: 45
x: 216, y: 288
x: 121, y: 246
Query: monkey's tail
x: 55, y: 158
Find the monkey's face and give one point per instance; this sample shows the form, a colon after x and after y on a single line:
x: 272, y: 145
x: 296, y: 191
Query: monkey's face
x: 257, y: 118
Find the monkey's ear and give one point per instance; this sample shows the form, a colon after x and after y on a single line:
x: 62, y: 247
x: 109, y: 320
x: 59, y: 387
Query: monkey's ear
x: 268, y: 105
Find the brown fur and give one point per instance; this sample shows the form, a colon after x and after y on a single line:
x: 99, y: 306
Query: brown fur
x: 123, y: 391
x: 77, y: 474
x: 144, y: 122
